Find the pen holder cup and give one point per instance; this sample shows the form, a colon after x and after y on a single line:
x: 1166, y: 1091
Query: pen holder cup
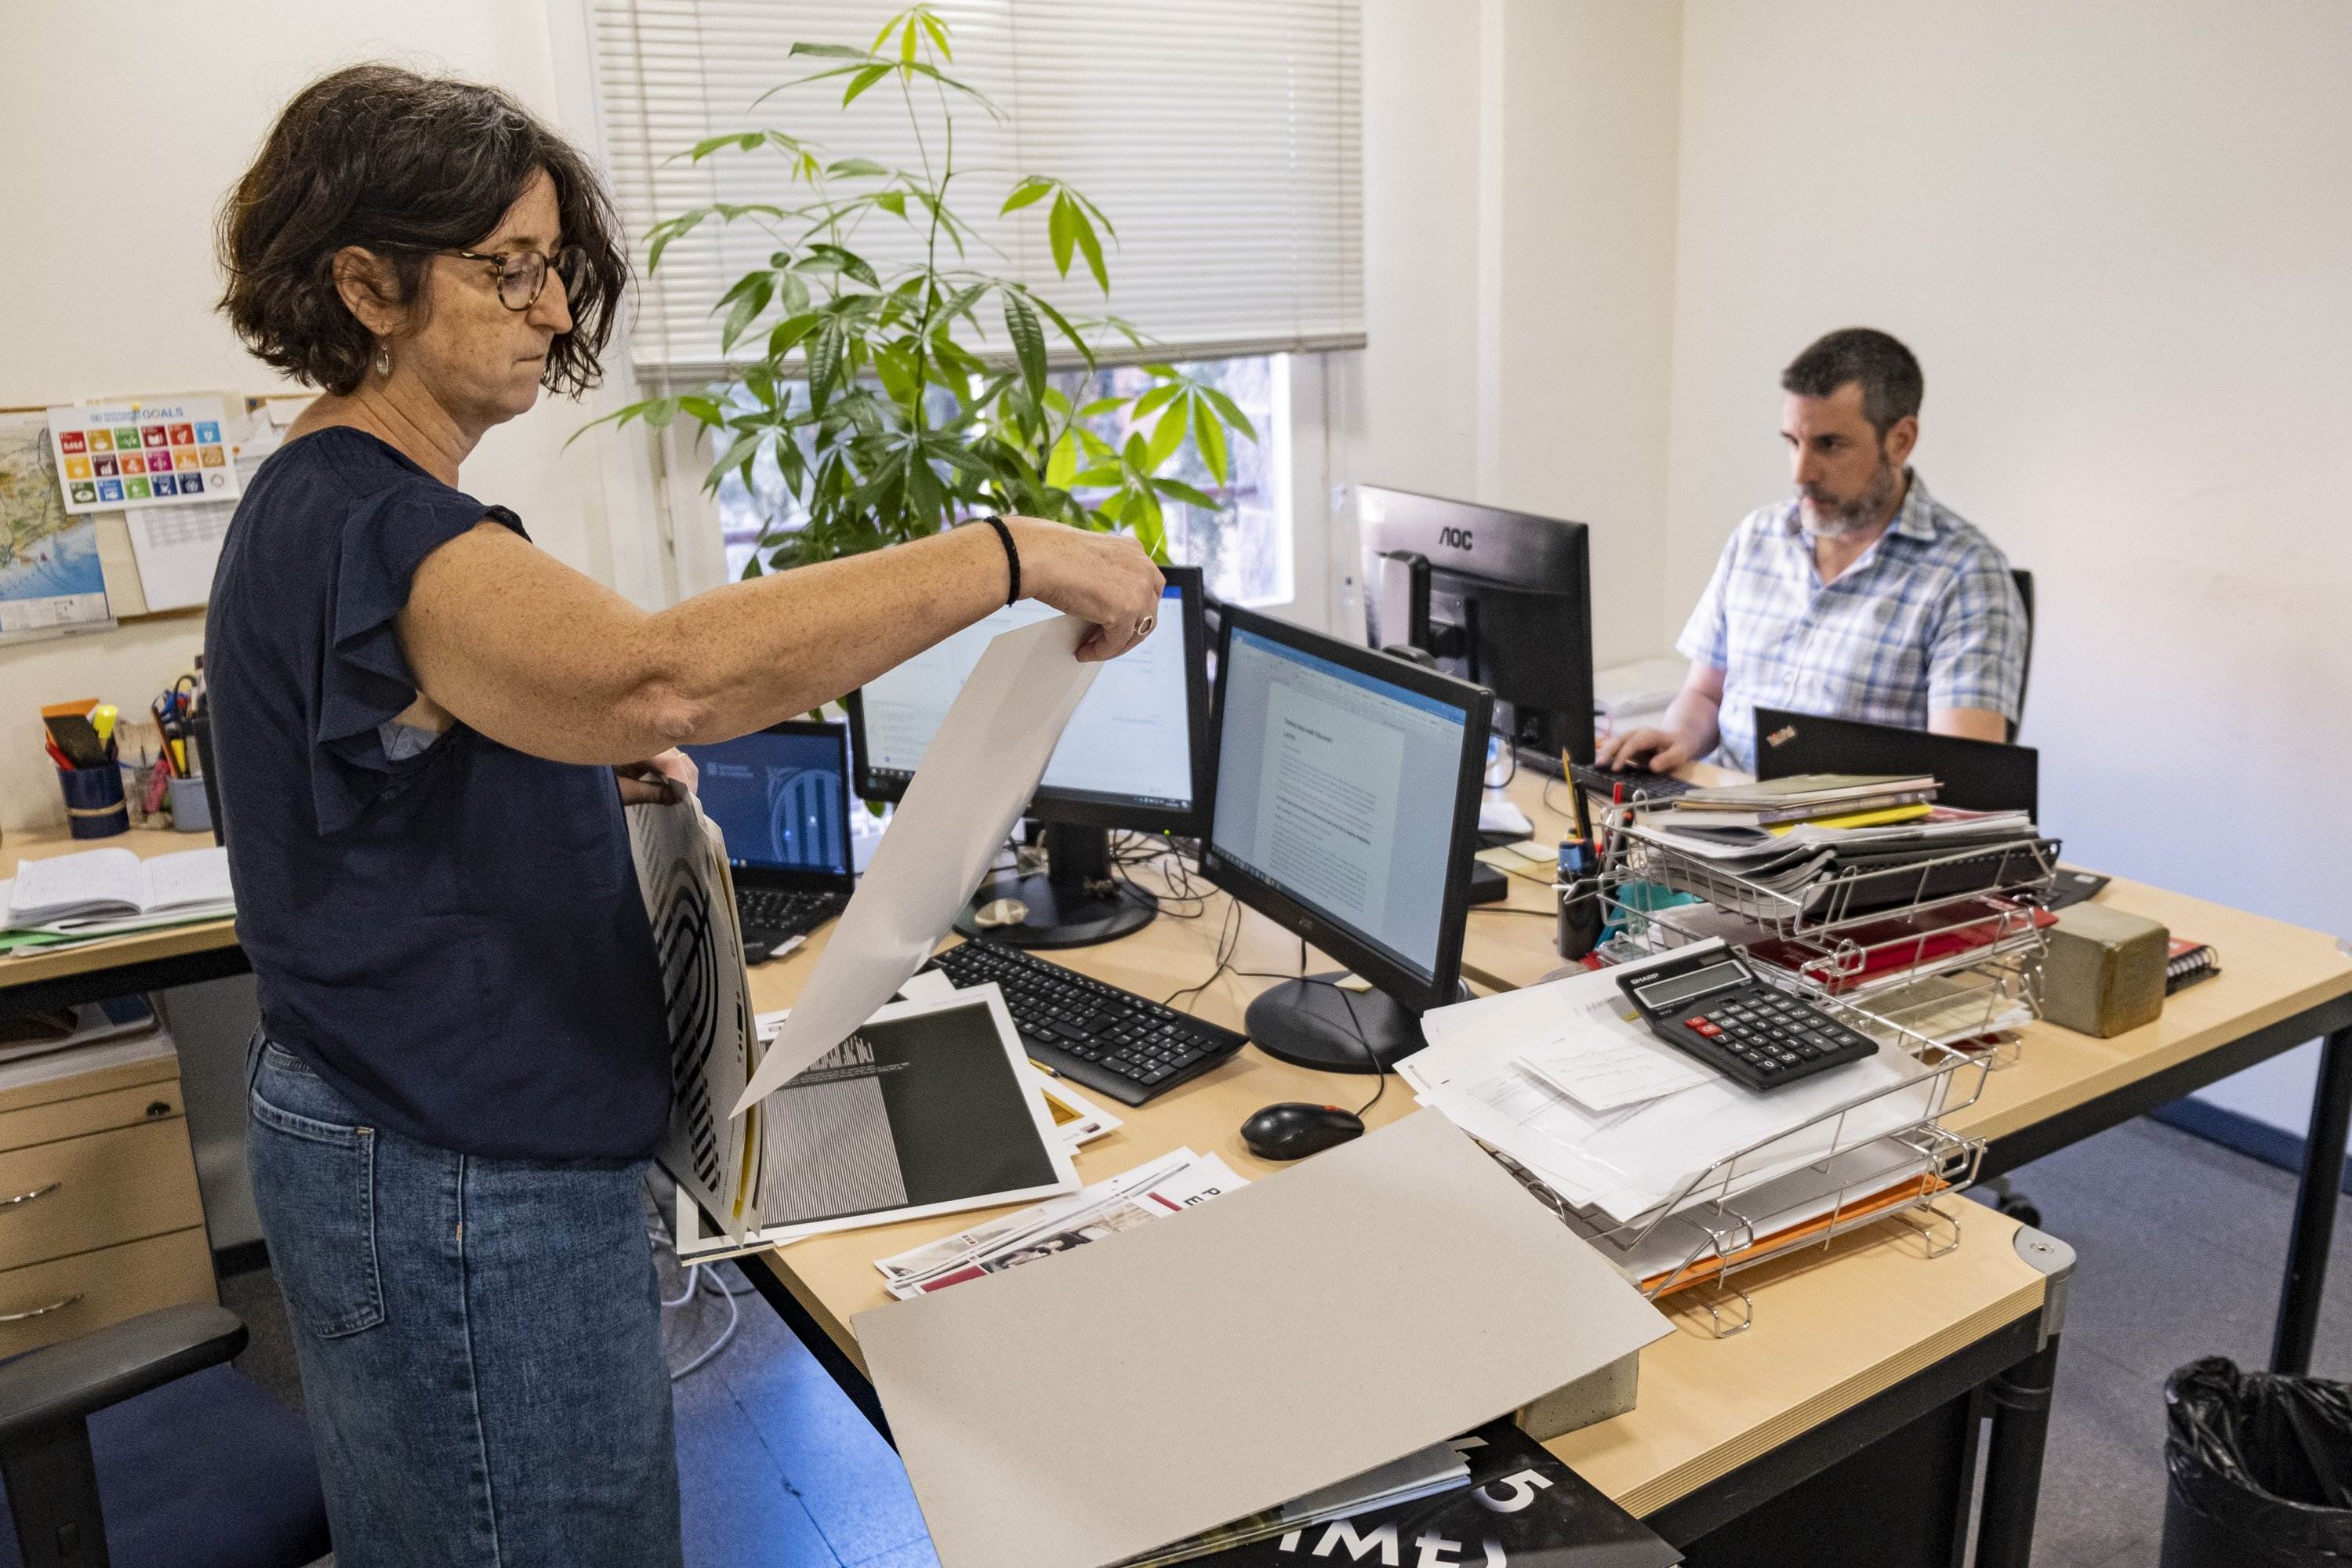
x: 94, y: 806
x: 1579, y: 918
x: 191, y: 811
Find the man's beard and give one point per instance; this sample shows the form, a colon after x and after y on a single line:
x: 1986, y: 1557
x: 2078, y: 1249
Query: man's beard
x: 1860, y: 513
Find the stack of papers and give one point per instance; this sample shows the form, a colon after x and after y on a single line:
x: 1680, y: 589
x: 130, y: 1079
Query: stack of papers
x: 104, y: 892
x: 1496, y: 1067
x: 1165, y: 1187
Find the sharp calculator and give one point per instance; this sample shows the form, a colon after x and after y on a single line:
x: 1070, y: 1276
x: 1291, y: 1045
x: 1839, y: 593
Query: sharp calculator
x: 1712, y: 1005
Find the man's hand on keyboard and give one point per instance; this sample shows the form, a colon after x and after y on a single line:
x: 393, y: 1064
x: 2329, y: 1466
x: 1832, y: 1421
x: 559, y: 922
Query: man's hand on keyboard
x: 1655, y: 749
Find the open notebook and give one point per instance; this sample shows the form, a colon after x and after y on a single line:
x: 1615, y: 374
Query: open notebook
x: 99, y: 891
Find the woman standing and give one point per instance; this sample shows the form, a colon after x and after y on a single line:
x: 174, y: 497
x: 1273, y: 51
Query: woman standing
x: 419, y: 716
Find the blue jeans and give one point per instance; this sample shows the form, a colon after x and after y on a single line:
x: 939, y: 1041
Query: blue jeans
x: 480, y: 1342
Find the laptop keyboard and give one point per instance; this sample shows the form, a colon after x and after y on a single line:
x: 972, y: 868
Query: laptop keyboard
x: 771, y: 914
x: 1112, y: 1041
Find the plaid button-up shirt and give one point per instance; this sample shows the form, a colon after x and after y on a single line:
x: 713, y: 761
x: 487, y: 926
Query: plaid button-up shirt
x: 1927, y: 618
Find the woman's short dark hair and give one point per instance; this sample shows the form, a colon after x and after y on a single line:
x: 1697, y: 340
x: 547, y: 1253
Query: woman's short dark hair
x: 1891, y: 385
x: 404, y: 166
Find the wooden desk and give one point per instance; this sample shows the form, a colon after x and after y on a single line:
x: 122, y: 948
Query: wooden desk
x: 1846, y: 1347
x: 141, y: 960
x: 2278, y: 986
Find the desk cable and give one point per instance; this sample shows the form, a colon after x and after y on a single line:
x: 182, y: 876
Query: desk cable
x: 696, y: 1281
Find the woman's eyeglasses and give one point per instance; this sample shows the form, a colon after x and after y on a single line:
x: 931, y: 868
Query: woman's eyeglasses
x: 523, y: 274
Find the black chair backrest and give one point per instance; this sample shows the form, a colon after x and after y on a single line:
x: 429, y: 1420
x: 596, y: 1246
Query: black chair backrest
x: 2024, y: 581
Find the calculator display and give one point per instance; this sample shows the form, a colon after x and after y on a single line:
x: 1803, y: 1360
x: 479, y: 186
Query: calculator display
x: 1659, y: 994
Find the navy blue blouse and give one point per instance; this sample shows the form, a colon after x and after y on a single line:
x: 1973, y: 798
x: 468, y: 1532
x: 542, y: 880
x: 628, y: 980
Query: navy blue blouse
x: 452, y: 936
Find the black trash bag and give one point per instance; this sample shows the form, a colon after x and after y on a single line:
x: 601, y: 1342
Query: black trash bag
x: 2260, y: 1468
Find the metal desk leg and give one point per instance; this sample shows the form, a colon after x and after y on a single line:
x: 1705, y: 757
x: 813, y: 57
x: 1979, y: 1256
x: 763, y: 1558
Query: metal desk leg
x: 2315, y: 1208
x: 2020, y: 1429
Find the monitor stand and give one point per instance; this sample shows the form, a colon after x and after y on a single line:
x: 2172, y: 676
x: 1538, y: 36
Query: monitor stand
x: 1074, y: 903
x: 1310, y: 1022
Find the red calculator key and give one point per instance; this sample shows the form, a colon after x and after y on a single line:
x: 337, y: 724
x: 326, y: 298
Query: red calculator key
x: 1701, y: 1027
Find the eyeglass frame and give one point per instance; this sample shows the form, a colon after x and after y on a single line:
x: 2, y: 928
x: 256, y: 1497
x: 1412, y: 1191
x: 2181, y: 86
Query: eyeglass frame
x: 499, y: 260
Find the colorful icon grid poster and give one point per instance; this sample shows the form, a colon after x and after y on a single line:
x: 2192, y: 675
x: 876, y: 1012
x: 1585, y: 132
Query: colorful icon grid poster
x: 162, y: 453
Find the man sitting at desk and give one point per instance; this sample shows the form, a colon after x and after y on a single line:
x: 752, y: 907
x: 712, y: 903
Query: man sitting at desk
x: 1859, y: 597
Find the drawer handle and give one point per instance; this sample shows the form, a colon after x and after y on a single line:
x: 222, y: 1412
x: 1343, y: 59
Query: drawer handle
x: 29, y: 1198
x: 40, y: 1311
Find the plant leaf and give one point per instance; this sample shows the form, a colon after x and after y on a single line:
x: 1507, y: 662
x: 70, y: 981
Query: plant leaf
x: 1156, y: 398
x: 851, y: 168
x: 1085, y: 229
x: 837, y: 52
x: 861, y: 82
x: 1211, y: 437
x: 1062, y: 467
x: 1033, y: 189
x: 751, y: 298
x: 1028, y: 342
x: 937, y: 29
x: 1061, y: 227
x: 891, y: 201
x: 1167, y: 436
x: 1178, y: 489
x: 1229, y: 411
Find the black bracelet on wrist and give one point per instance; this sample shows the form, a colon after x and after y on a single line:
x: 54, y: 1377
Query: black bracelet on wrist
x: 1012, y: 556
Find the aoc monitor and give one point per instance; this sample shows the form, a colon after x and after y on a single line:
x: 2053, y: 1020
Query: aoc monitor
x: 1501, y: 599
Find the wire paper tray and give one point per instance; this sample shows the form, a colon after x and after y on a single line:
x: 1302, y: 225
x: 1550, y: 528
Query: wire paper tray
x: 1722, y: 1201
x: 1895, y: 1178
x: 1840, y: 895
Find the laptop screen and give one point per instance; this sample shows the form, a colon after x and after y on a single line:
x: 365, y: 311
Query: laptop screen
x: 780, y: 796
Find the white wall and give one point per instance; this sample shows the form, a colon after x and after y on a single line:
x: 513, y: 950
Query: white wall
x: 2116, y: 238
x: 1518, y: 253
x: 109, y: 283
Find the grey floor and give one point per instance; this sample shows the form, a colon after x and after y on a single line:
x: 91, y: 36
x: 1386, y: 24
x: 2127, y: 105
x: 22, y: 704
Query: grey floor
x: 2182, y: 1245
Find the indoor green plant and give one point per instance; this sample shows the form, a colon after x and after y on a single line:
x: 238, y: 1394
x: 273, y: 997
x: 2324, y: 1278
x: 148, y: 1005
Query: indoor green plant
x: 877, y: 397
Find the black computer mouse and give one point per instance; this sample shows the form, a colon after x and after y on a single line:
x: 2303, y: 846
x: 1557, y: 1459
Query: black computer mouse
x: 1293, y: 1129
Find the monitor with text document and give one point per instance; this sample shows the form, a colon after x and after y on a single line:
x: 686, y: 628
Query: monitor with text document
x: 1345, y: 808
x: 1133, y: 757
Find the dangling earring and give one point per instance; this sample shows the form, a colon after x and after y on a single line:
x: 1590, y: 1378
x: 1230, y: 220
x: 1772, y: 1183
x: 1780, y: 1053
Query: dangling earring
x: 383, y: 360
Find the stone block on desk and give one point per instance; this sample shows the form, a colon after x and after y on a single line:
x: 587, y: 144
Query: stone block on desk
x: 2104, y: 972
x: 1596, y: 1396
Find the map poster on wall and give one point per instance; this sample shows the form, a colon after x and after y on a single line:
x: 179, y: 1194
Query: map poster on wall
x: 50, y: 578
x: 167, y: 452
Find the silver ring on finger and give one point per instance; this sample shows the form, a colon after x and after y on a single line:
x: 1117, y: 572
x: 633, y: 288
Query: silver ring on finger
x: 1143, y: 626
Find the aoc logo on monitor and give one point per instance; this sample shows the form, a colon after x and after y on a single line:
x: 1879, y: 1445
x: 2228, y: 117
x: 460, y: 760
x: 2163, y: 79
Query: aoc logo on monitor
x: 1459, y: 538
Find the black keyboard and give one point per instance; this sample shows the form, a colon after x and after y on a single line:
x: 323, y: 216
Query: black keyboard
x: 772, y: 915
x: 1604, y: 782
x: 1113, y: 1041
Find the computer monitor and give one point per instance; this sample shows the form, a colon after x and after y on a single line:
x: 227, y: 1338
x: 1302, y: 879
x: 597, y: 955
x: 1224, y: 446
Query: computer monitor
x: 1500, y: 598
x: 1345, y: 806
x: 780, y: 796
x: 1133, y: 756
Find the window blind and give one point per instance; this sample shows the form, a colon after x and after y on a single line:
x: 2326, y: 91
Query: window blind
x: 1219, y: 137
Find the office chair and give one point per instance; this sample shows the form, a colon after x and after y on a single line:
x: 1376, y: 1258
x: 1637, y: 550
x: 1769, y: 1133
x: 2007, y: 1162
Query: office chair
x: 2024, y: 581
x: 134, y: 1445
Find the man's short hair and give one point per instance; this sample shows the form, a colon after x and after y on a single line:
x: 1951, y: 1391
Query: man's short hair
x: 1891, y: 385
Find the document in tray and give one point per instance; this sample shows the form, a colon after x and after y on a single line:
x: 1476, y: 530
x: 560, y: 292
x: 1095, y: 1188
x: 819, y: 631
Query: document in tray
x: 1604, y: 1061
x: 1628, y: 1166
x: 980, y: 772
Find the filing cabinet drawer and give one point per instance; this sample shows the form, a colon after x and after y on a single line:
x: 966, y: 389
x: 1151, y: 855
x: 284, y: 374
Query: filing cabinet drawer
x: 94, y: 1191
x: 90, y: 1113
x: 68, y: 1296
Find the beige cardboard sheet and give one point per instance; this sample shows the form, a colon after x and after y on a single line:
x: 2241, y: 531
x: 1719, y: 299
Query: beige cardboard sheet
x: 1385, y: 1294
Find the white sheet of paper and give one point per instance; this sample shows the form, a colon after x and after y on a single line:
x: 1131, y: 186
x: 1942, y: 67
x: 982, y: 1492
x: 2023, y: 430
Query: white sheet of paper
x: 1497, y: 815
x: 1604, y: 1063
x: 981, y: 770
